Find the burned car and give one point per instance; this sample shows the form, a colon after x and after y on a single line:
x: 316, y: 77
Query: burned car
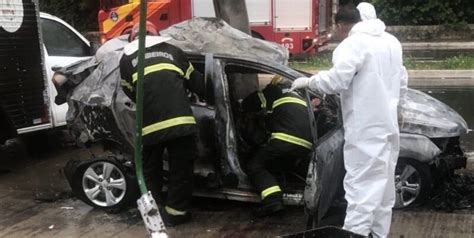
x: 100, y: 113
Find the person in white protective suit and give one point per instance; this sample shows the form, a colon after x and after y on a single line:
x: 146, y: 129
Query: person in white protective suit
x: 368, y: 74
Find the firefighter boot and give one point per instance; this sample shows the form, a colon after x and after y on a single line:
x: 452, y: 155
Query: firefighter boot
x: 272, y: 205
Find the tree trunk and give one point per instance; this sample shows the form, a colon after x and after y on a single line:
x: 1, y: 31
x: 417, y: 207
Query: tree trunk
x: 233, y: 12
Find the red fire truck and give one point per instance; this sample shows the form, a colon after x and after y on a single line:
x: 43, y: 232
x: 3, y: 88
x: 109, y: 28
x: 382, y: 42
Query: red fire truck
x: 302, y: 26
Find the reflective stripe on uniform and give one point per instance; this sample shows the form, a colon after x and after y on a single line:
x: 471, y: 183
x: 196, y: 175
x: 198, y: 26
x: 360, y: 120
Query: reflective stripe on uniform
x: 126, y: 84
x: 174, y: 212
x: 168, y: 123
x: 288, y: 100
x: 189, y: 71
x: 270, y: 190
x: 159, y: 67
x: 292, y: 139
x: 263, y: 100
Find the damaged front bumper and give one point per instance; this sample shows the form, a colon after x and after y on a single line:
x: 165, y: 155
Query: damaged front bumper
x: 452, y: 158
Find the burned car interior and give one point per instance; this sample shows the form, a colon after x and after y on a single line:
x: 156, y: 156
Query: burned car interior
x: 249, y: 127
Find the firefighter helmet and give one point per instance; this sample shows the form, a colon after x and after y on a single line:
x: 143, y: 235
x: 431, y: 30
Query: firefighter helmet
x: 150, y: 30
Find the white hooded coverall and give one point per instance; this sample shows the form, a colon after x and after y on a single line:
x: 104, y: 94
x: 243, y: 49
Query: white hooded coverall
x: 368, y: 73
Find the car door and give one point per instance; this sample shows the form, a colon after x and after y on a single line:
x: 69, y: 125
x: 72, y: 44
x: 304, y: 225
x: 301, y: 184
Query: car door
x: 237, y: 136
x: 62, y: 46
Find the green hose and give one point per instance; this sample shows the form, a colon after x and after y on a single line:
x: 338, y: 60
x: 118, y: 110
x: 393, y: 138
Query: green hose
x: 139, y: 99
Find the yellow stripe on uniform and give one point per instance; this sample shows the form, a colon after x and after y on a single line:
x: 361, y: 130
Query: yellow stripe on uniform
x: 189, y: 71
x: 126, y: 84
x: 270, y: 190
x: 292, y: 139
x: 159, y: 67
x: 263, y: 100
x: 288, y: 100
x: 174, y: 212
x: 168, y: 123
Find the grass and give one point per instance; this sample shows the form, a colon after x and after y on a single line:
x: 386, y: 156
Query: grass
x: 323, y: 62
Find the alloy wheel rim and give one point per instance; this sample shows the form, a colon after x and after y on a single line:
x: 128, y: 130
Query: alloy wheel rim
x: 104, y: 184
x: 407, y: 186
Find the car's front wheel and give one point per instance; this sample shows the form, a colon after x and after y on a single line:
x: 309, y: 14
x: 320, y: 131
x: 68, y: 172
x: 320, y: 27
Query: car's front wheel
x: 104, y: 183
x: 413, y: 182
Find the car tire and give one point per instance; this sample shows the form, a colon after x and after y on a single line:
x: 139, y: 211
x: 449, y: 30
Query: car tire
x: 413, y: 183
x: 104, y: 183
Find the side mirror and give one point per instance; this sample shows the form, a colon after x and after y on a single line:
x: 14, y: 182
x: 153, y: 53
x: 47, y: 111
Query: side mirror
x: 93, y: 48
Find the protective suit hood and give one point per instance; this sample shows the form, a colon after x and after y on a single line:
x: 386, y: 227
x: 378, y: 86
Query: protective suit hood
x: 370, y: 24
x: 367, y: 11
x: 374, y: 27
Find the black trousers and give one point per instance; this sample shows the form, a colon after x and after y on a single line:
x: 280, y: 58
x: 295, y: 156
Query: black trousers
x: 181, y: 153
x: 275, y: 156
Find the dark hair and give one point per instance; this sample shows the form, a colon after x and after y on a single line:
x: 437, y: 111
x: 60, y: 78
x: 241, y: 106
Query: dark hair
x: 347, y: 14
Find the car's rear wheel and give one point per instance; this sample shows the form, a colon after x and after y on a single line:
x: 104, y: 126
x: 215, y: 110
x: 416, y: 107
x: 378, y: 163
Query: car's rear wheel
x: 413, y: 183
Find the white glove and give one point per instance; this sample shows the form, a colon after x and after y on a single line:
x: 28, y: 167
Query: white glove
x: 300, y: 83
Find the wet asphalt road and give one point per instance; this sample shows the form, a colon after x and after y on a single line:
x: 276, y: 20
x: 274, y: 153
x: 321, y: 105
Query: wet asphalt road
x: 35, y: 201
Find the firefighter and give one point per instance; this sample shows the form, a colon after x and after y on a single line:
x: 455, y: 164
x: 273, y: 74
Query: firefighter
x: 168, y: 121
x: 290, y: 140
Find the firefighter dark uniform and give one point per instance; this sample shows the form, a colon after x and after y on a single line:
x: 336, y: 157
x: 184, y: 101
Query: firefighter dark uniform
x: 288, y: 122
x: 168, y: 123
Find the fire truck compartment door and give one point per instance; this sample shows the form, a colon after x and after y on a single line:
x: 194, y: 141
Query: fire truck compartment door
x: 259, y: 11
x: 292, y: 17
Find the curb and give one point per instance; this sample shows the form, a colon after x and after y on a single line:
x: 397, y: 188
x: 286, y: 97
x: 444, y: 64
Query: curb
x: 407, y: 46
x: 441, y: 78
x: 438, y: 45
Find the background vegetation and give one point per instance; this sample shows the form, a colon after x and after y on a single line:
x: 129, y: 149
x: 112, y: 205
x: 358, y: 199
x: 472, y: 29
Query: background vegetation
x: 423, y: 12
x: 81, y: 14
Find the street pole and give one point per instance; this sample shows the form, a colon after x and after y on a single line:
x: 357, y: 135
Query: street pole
x: 146, y: 204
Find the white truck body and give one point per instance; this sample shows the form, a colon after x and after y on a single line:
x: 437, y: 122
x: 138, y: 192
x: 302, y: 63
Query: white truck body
x: 31, y: 43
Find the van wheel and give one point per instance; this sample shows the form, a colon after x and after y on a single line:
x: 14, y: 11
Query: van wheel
x: 105, y: 184
x: 413, y: 183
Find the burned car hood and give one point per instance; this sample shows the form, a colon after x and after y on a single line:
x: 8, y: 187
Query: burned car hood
x: 211, y: 35
x: 425, y: 115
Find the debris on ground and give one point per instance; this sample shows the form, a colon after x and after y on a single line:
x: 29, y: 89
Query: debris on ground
x: 51, y: 227
x: 454, y: 193
x: 51, y: 196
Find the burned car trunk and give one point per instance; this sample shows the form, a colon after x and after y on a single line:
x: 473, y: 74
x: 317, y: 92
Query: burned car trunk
x: 100, y: 111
